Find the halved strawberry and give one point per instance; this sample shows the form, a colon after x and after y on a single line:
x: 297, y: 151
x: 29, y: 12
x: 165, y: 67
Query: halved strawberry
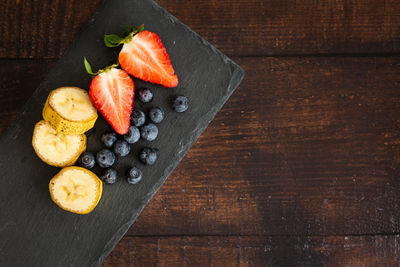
x: 144, y: 56
x: 112, y: 92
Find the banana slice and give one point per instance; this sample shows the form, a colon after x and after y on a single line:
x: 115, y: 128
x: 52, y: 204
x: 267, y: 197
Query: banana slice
x: 69, y: 110
x: 76, y: 190
x: 57, y: 149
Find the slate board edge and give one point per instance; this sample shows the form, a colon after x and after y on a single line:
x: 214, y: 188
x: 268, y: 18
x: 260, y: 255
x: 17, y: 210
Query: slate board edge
x: 175, y: 20
x: 237, y: 77
x: 13, y: 130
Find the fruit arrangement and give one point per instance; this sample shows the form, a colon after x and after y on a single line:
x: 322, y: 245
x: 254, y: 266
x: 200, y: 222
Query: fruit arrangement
x: 144, y: 56
x: 59, y: 140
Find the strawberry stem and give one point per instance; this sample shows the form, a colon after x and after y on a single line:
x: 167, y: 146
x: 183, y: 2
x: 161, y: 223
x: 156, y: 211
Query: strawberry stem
x: 89, y: 68
x: 138, y: 29
x: 116, y: 65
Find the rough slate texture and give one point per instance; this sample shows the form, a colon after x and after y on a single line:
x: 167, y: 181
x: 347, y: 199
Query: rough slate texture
x: 32, y: 228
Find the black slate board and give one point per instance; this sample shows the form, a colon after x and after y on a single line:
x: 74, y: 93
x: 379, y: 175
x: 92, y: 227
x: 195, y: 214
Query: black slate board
x: 33, y: 230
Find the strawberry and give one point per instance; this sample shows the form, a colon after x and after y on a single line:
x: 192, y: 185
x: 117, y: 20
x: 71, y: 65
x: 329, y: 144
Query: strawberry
x: 144, y: 56
x: 112, y: 92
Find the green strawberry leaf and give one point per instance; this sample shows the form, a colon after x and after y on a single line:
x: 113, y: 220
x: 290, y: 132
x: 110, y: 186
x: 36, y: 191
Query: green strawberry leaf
x: 112, y: 40
x: 88, y: 67
x: 138, y: 29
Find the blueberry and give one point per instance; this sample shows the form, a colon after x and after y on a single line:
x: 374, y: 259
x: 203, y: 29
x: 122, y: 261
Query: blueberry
x: 133, y: 135
x: 109, y: 139
x: 180, y: 103
x: 105, y: 158
x: 109, y: 176
x: 135, y: 175
x: 156, y: 114
x: 138, y: 118
x: 148, y: 155
x: 86, y: 160
x: 145, y: 95
x: 121, y: 148
x: 149, y: 132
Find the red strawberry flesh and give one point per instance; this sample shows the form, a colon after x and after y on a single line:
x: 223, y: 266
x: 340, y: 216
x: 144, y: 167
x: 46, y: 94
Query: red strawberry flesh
x: 146, y: 58
x: 112, y: 93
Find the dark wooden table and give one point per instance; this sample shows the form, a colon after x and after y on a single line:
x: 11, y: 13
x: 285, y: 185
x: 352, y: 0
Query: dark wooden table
x: 302, y: 165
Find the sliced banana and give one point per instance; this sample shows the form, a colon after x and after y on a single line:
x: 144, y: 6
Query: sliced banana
x: 76, y: 190
x: 69, y: 110
x: 57, y: 149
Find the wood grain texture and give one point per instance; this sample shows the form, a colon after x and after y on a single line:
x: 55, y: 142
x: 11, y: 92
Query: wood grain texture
x: 256, y: 251
x: 291, y: 27
x: 237, y: 27
x: 305, y: 146
x: 41, y: 29
x: 19, y: 79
